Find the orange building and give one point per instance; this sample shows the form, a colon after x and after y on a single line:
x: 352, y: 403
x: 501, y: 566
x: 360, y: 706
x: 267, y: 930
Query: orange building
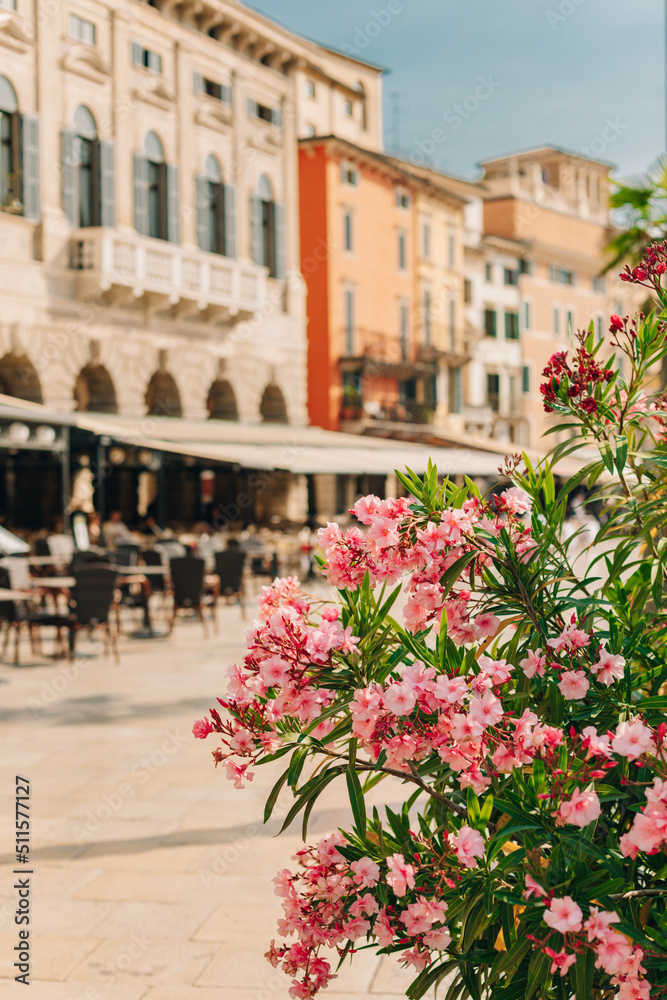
x: 373, y: 361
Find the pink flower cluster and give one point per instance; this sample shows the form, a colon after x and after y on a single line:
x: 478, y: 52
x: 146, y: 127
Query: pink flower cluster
x: 327, y: 905
x: 614, y: 953
x: 399, y: 541
x: 649, y: 827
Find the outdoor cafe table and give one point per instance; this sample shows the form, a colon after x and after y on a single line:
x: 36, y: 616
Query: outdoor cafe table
x: 14, y: 595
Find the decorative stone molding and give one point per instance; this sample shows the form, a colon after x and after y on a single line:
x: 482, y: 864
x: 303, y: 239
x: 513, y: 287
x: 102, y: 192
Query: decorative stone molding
x: 86, y: 60
x: 15, y: 31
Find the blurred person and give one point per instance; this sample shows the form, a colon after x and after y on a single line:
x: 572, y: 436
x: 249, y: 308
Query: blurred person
x: 114, y: 529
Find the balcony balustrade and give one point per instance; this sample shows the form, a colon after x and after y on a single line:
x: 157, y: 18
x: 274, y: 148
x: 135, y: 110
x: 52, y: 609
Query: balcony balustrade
x: 160, y: 275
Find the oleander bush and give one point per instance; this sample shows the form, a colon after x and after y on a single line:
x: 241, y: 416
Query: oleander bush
x: 515, y: 704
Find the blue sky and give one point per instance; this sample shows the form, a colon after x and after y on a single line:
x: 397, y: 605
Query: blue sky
x: 583, y: 74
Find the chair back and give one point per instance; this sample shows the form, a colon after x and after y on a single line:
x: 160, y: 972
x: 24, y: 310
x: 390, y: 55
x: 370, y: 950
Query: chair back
x: 153, y: 557
x: 127, y: 553
x: 41, y: 547
x: 229, y: 566
x: 8, y: 609
x: 93, y: 594
x: 90, y: 556
x: 187, y: 580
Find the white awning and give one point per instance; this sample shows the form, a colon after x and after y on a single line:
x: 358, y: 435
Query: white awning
x: 272, y: 446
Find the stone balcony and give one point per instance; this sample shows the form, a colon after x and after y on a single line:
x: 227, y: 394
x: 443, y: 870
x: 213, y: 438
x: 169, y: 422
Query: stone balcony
x: 159, y: 276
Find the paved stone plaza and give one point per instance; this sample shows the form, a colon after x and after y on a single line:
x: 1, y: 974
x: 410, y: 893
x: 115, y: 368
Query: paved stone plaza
x: 152, y: 874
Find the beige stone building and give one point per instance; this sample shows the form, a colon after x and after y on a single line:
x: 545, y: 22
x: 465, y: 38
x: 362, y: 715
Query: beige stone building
x: 548, y: 210
x: 149, y: 240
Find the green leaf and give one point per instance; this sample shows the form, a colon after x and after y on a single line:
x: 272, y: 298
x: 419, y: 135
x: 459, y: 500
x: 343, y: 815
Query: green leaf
x: 357, y: 801
x: 273, y: 795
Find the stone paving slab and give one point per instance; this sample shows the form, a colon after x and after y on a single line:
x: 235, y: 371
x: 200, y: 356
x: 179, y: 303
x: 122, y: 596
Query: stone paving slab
x: 152, y: 874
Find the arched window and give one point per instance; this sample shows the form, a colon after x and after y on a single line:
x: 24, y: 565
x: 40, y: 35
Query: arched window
x: 272, y: 408
x: 87, y: 168
x: 88, y: 182
x: 268, y: 229
x: 215, y: 211
x: 222, y: 401
x: 156, y: 200
x: 19, y: 378
x: 162, y: 396
x: 94, y: 390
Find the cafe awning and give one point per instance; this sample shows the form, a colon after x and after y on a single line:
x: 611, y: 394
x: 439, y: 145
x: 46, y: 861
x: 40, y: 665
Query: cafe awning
x: 266, y: 446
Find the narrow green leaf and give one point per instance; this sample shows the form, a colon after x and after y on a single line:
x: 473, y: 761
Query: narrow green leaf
x: 357, y: 801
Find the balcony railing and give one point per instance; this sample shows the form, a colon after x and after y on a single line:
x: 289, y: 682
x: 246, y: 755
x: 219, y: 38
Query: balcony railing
x: 166, y: 274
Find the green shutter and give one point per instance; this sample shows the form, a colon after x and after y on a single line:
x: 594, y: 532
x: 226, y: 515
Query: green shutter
x: 279, y: 264
x: 197, y: 82
x: 252, y: 108
x: 69, y: 166
x: 203, y: 213
x: 154, y: 63
x: 173, y: 205
x: 107, y: 184
x: 136, y: 54
x: 229, y: 207
x: 30, y: 167
x: 141, y: 193
x: 256, y: 235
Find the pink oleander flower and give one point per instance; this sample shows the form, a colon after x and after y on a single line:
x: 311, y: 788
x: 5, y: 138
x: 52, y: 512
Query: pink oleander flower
x: 451, y: 690
x: 598, y: 746
x: 533, y: 888
x: 564, y: 915
x: 469, y: 845
x: 401, y: 876
x: 486, y: 710
x: 419, y: 917
x: 438, y: 939
x: 384, y: 532
x: 573, y: 685
x: 609, y: 667
x: 365, y: 508
x: 487, y: 623
x: 598, y: 922
x: 612, y: 952
x: 627, y: 847
x: 561, y: 960
x: 533, y: 663
x: 570, y: 640
x: 243, y: 742
x: 500, y: 670
x: 239, y: 774
x: 399, y: 699
x: 583, y: 808
x: 632, y: 739
x: 366, y: 872
x: 202, y: 728
x: 515, y: 501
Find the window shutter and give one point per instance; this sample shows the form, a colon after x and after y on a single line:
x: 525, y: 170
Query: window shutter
x: 256, y: 235
x: 252, y: 108
x: 226, y: 93
x: 279, y: 241
x: 277, y: 117
x: 30, y: 167
x: 141, y: 193
x: 69, y: 175
x: 229, y: 204
x: 107, y: 184
x: 173, y: 208
x: 136, y: 54
x: 203, y: 214
x: 197, y: 82
x: 154, y: 62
